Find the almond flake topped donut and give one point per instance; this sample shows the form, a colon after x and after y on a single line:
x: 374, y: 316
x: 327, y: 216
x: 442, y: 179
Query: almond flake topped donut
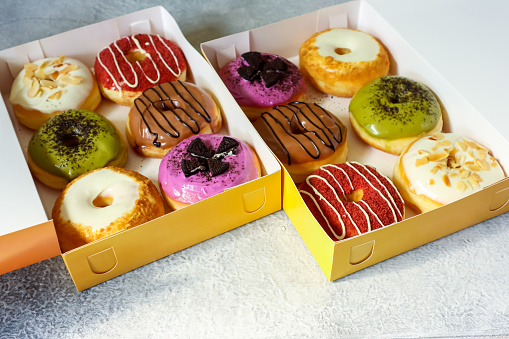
x: 442, y: 168
x: 134, y: 63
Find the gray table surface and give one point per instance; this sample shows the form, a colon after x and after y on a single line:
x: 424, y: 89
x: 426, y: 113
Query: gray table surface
x: 259, y: 280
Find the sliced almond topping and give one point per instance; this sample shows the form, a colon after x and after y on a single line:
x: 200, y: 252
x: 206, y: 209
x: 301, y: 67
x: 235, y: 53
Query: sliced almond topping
x: 446, y: 181
x: 473, y: 167
x: 482, y: 153
x: 69, y: 69
x: 479, y: 146
x: 30, y: 67
x: 434, y: 148
x: 48, y: 83
x: 461, y: 145
x: 476, y: 177
x: 27, y: 82
x: 470, y: 144
x: 446, y: 142
x: 431, y: 182
x: 472, y: 181
x: 453, y: 175
x: 421, y: 161
x: 484, y: 164
x: 55, y: 95
x: 460, y: 186
x: 437, y: 156
x: 434, y: 170
x: 494, y: 164
x: 470, y: 154
x: 34, y: 88
x: 438, y: 135
x: 464, y: 174
x: 468, y: 184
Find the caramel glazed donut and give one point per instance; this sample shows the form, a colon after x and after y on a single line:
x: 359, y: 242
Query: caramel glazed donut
x: 166, y: 114
x: 339, y: 61
x: 303, y: 136
x: 350, y: 199
x: 102, y: 202
x: 134, y: 63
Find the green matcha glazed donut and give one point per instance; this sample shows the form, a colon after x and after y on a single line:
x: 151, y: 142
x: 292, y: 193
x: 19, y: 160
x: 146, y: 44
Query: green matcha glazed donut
x: 391, y: 112
x: 73, y: 143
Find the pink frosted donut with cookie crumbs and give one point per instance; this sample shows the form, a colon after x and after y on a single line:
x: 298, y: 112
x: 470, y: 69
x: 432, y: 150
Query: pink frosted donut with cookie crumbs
x: 204, y: 165
x: 260, y: 81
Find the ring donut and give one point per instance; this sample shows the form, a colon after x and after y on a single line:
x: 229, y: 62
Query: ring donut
x: 102, y: 202
x: 304, y: 136
x: 73, y: 143
x: 442, y: 168
x: 391, y: 112
x: 50, y: 86
x: 166, y: 114
x: 350, y: 199
x: 339, y: 61
x: 134, y: 63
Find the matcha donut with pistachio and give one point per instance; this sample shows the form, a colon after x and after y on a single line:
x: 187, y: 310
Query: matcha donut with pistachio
x: 391, y: 112
x: 73, y: 143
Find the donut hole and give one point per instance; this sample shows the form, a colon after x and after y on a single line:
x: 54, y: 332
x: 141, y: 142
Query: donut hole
x: 296, y: 127
x: 355, y: 195
x: 342, y: 50
x: 102, y: 201
x: 135, y: 56
x: 162, y: 106
x: 71, y: 140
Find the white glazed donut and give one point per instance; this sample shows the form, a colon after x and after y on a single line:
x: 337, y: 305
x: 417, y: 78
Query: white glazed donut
x: 339, y: 61
x: 439, y: 169
x: 102, y: 202
x: 50, y: 86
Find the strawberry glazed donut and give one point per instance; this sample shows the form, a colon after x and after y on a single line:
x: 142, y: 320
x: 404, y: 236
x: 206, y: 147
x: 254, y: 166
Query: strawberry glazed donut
x: 205, y: 165
x: 260, y: 81
x: 350, y: 199
x: 130, y: 65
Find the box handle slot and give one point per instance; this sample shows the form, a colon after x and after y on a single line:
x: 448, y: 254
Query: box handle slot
x: 499, y: 200
x: 103, y: 262
x: 361, y: 253
x: 254, y: 201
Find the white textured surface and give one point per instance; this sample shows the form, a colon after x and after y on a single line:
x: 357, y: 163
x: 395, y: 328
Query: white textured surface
x: 257, y: 281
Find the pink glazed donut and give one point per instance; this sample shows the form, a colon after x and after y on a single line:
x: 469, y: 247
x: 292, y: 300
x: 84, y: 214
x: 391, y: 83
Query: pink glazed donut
x: 204, y: 165
x: 260, y: 81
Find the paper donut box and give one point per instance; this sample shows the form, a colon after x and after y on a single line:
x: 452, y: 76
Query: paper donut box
x: 27, y: 234
x: 337, y: 259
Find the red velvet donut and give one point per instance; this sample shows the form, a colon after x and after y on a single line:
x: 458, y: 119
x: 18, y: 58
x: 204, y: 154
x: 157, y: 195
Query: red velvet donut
x: 349, y: 199
x: 134, y: 63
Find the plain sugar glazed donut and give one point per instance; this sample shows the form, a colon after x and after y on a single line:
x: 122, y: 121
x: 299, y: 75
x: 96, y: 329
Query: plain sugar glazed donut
x: 304, y: 136
x: 350, y: 199
x: 102, y: 202
x: 205, y: 165
x: 339, y: 61
x: 50, y: 86
x: 166, y: 114
x: 391, y: 112
x: 260, y: 81
x: 73, y: 143
x: 442, y: 168
x: 134, y: 63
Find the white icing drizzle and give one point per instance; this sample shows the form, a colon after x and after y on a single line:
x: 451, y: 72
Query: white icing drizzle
x: 365, y: 208
x: 72, y: 94
x: 362, y: 46
x: 437, y: 190
x: 142, y: 50
x: 78, y: 207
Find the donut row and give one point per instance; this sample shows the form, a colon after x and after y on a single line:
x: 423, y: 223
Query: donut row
x: 81, y: 153
x: 392, y: 113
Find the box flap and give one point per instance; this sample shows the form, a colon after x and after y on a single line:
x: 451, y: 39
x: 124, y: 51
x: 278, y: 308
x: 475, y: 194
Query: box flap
x: 454, y: 35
